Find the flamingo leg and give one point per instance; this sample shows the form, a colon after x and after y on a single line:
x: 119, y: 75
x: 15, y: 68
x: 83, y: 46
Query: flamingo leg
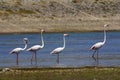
x: 97, y: 54
x: 97, y: 57
x: 32, y: 58
x: 57, y: 60
x: 93, y: 56
x: 35, y: 58
x: 16, y: 58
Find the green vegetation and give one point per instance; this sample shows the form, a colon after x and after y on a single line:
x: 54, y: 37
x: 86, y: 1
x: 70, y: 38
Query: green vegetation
x: 86, y: 73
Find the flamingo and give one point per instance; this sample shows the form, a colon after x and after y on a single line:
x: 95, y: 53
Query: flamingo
x: 59, y: 49
x: 35, y: 48
x: 98, y: 45
x: 19, y: 50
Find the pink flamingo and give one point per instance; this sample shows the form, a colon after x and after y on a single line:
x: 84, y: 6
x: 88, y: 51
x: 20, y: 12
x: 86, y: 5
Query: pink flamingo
x: 98, y: 45
x: 18, y: 50
x: 59, y: 49
x: 35, y: 48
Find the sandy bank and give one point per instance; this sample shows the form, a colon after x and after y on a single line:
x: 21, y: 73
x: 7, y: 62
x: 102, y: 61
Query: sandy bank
x: 18, y: 24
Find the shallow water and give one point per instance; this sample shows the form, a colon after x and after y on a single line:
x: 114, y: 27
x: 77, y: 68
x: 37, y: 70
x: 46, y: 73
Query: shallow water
x: 76, y: 53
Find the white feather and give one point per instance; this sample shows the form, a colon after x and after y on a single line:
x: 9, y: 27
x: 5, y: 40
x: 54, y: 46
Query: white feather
x: 35, y: 48
x: 57, y: 50
x: 97, y: 45
x: 16, y: 50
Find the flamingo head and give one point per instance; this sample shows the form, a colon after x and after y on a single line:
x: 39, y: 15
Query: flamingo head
x: 66, y: 34
x: 42, y: 30
x: 25, y: 40
x: 106, y: 25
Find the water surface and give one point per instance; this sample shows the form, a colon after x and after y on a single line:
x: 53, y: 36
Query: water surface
x: 76, y: 53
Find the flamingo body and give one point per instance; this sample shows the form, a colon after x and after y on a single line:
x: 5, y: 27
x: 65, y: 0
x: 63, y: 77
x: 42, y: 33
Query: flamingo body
x: 35, y: 48
x: 16, y: 50
x: 97, y: 45
x: 57, y: 50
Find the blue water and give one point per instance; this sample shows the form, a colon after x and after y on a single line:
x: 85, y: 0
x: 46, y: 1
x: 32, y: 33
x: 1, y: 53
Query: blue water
x: 76, y: 53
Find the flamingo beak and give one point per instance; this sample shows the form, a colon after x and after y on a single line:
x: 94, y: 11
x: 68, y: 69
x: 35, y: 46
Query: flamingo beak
x: 26, y: 42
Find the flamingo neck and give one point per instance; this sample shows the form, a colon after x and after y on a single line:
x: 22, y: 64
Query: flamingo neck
x: 63, y: 42
x: 42, y: 40
x: 25, y: 46
x: 104, y: 37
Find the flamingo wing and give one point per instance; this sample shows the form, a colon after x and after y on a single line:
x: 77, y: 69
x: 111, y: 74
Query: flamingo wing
x: 16, y: 50
x: 34, y: 48
x: 57, y: 50
x: 97, y: 45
